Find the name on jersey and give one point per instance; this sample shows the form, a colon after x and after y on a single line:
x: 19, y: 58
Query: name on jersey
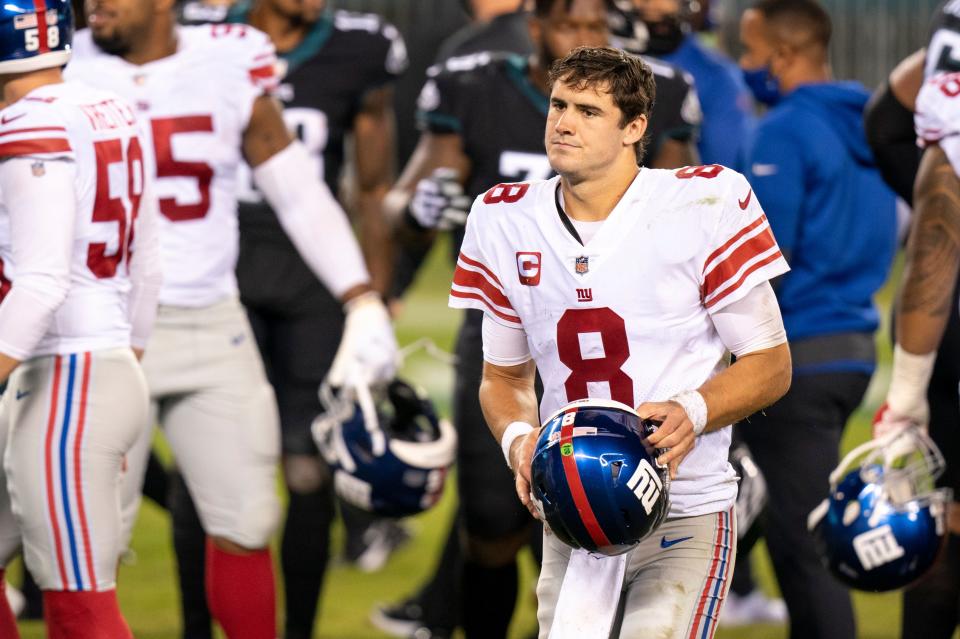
x: 109, y: 114
x: 528, y: 267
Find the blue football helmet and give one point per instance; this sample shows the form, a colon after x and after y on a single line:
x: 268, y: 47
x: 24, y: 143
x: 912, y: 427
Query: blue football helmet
x: 884, y: 521
x: 390, y: 457
x: 596, y: 479
x: 32, y: 39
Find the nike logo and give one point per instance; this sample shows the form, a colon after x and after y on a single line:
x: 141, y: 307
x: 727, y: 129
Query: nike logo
x: 21, y: 394
x: 745, y: 202
x: 5, y: 120
x: 666, y: 543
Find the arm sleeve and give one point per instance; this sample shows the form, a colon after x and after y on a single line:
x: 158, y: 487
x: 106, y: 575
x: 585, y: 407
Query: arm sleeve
x: 775, y: 170
x: 743, y: 251
x: 145, y: 271
x: 42, y: 210
x: 752, y: 323
x: 312, y: 218
x: 476, y: 284
x: 504, y: 345
x: 889, y: 128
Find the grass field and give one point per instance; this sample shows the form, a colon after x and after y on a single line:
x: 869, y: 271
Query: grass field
x: 147, y: 592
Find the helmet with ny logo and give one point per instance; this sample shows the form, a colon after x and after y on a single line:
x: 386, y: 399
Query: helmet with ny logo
x: 34, y: 34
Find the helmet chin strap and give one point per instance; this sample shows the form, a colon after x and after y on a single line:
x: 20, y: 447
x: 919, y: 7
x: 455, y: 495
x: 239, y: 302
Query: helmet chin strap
x: 368, y: 408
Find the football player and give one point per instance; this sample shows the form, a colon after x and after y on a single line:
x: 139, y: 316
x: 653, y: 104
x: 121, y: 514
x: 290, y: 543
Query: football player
x: 482, y: 116
x: 924, y: 383
x: 288, y: 308
x: 633, y: 284
x: 202, y: 92
x: 79, y: 280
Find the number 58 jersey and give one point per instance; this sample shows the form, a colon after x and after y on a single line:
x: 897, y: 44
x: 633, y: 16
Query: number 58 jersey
x: 195, y: 106
x: 626, y: 316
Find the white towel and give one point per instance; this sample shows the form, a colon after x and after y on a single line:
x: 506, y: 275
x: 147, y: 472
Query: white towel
x: 589, y: 596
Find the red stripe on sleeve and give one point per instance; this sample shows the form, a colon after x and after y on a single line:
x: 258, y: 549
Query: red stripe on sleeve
x: 572, y: 474
x: 265, y: 74
x: 32, y: 147
x: 32, y: 129
x: 757, y: 245
x: 472, y: 262
x: 473, y: 279
x: 770, y: 258
x: 757, y: 222
x: 477, y: 296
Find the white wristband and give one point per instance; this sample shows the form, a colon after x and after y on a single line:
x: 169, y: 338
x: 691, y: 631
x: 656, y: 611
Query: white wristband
x: 514, y: 430
x: 696, y: 408
x: 908, y: 382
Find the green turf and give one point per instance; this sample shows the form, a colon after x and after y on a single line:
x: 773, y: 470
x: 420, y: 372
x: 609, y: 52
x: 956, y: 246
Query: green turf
x: 147, y: 593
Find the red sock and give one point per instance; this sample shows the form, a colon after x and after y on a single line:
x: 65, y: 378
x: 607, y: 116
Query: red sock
x: 240, y: 593
x: 92, y: 615
x: 8, y: 623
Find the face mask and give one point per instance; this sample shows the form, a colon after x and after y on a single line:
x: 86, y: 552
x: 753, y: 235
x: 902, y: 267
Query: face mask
x: 664, y: 36
x: 763, y: 84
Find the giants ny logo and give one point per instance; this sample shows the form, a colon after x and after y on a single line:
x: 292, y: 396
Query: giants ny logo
x: 877, y: 547
x: 646, y: 485
x: 584, y: 294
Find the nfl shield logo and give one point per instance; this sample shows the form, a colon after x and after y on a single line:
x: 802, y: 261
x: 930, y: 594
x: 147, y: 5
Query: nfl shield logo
x: 582, y: 265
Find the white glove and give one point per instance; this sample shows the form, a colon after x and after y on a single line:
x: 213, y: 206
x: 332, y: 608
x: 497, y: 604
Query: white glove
x: 439, y: 201
x: 367, y: 353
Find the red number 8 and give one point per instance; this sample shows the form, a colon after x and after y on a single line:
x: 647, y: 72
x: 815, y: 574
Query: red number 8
x: 616, y: 350
x: 707, y: 171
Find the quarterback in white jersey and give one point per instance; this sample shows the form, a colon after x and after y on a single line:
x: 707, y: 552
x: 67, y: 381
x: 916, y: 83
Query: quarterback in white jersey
x: 79, y: 279
x: 633, y: 284
x: 202, y: 94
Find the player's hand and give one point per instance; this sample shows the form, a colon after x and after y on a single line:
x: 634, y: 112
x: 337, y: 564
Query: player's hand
x: 886, y: 419
x: 368, y: 349
x: 439, y: 201
x: 521, y: 459
x: 675, y: 433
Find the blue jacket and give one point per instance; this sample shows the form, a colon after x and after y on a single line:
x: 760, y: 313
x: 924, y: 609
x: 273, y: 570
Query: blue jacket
x: 726, y: 102
x: 832, y: 214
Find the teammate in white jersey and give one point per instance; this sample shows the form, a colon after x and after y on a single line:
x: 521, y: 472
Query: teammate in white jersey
x: 79, y: 279
x: 202, y: 94
x: 634, y: 284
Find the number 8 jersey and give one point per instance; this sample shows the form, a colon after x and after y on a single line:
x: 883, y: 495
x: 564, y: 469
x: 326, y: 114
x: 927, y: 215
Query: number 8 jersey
x: 195, y: 106
x: 627, y: 316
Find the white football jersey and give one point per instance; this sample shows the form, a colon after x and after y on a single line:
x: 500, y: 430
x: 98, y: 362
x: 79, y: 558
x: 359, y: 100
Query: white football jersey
x: 99, y: 132
x: 626, y: 316
x: 195, y: 106
x: 937, y: 116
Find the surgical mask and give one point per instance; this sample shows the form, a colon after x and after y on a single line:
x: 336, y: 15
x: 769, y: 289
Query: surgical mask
x: 763, y: 84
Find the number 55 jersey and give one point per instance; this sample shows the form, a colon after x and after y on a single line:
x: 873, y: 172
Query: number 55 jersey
x: 627, y: 316
x: 195, y: 105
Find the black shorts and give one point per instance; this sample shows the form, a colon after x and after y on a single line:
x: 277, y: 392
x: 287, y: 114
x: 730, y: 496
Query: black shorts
x: 298, y: 325
x: 488, y: 500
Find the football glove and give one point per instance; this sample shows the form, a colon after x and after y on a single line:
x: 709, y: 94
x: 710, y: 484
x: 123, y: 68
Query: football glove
x: 367, y: 354
x: 439, y: 202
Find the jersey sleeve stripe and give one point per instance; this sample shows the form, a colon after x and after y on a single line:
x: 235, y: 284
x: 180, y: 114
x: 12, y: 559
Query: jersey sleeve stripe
x: 468, y: 298
x: 733, y: 240
x: 475, y: 279
x: 731, y: 265
x: 34, y: 147
x: 474, y: 263
x: 776, y: 255
x: 35, y: 129
x: 264, y: 76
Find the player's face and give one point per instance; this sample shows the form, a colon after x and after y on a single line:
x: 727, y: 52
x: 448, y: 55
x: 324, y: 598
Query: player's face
x: 562, y: 31
x: 304, y: 11
x: 758, y: 51
x: 583, y: 136
x: 116, y: 24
